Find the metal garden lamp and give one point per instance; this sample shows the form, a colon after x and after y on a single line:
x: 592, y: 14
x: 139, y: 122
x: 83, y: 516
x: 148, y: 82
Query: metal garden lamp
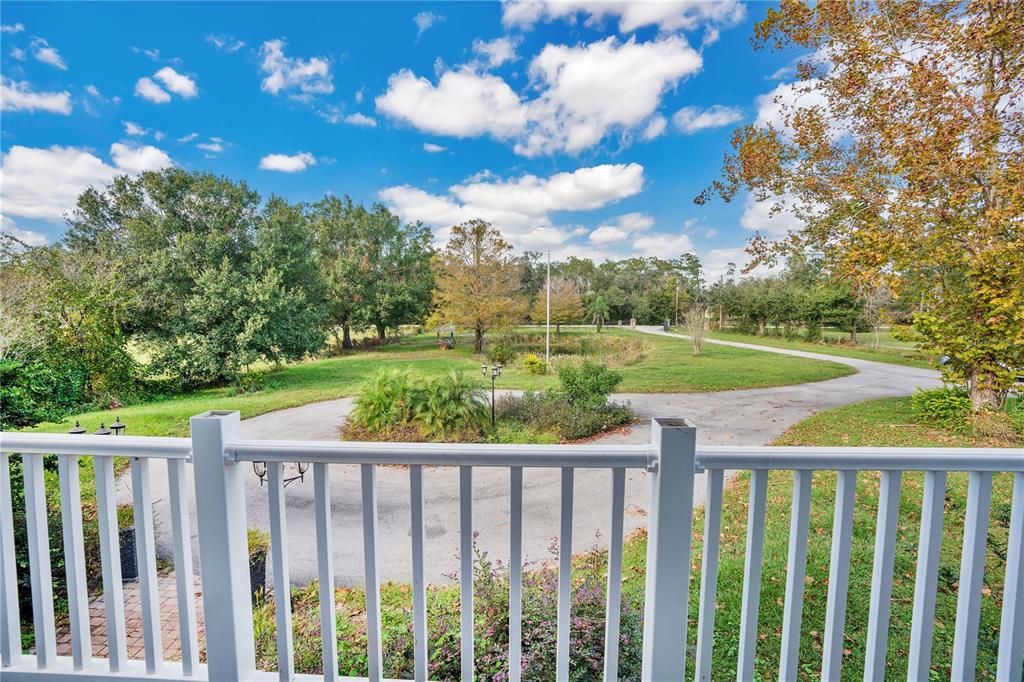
x: 118, y: 426
x: 103, y: 430
x: 78, y: 430
x: 495, y: 373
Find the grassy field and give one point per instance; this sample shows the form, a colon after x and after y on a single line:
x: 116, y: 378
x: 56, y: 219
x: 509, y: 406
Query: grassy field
x: 664, y: 365
x: 899, y: 353
x: 886, y: 422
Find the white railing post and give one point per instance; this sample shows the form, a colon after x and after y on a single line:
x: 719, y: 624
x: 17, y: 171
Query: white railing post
x: 668, y: 549
x: 223, y: 547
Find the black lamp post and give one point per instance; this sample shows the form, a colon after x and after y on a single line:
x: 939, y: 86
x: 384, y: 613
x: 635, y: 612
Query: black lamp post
x: 495, y: 373
x: 118, y: 426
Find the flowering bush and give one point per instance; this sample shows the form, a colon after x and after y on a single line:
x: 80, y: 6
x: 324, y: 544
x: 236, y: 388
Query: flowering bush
x: 491, y: 585
x: 533, y: 364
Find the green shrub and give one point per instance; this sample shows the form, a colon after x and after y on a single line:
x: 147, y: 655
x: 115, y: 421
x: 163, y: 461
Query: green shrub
x: 31, y: 392
x: 439, y: 407
x: 1015, y: 408
x: 533, y: 364
x: 450, y: 403
x: 587, y: 385
x: 943, y: 407
x: 259, y: 542
x: 548, y: 414
x: 501, y: 351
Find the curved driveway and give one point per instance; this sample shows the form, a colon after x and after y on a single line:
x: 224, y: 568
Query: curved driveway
x: 742, y: 417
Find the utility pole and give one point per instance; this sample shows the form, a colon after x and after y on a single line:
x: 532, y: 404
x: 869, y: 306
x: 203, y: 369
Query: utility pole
x: 547, y: 335
x: 677, y: 301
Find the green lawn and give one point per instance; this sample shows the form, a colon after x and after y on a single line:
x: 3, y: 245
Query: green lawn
x: 666, y: 365
x: 886, y: 422
x: 904, y: 354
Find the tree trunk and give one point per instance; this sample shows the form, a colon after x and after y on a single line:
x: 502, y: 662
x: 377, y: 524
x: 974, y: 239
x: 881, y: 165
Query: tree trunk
x: 558, y: 328
x: 478, y: 339
x: 381, y: 331
x: 760, y: 327
x: 853, y: 332
x: 983, y: 393
x: 346, y: 336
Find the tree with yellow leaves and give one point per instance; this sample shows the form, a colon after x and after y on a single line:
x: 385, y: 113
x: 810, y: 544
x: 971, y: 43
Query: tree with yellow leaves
x: 478, y: 281
x: 901, y: 150
x: 566, y: 305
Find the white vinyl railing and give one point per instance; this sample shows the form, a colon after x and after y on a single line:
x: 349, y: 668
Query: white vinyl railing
x: 672, y: 460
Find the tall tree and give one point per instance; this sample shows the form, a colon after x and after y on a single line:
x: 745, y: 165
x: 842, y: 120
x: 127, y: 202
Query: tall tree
x: 903, y: 153
x: 478, y: 281
x: 334, y: 223
x: 566, y: 305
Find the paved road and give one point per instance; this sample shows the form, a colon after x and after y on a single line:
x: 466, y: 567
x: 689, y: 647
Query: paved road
x: 746, y: 417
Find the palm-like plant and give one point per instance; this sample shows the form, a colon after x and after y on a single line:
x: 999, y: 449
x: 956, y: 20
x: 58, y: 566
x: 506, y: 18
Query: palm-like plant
x: 451, y: 403
x: 386, y: 399
x: 598, y: 312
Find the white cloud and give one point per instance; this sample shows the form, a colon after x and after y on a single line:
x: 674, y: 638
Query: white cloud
x: 177, y: 83
x: 667, y: 15
x: 590, y: 90
x: 12, y: 28
x: 134, y: 129
x: 710, y: 234
x: 360, y: 95
x: 158, y: 135
x: 138, y: 158
x: 715, y: 263
x: 497, y: 51
x: 624, y: 226
x: 462, y: 104
x: 432, y: 148
x: 760, y: 216
x: 663, y: 245
x: 363, y: 120
x: 425, y: 20
x: 188, y: 138
x: 93, y: 90
x: 225, y: 43
x: 287, y: 164
x: 18, y: 53
x: 212, y: 147
x: 45, y: 183
x: 585, y: 93
x: 28, y: 237
x: 655, y: 127
x: 19, y: 96
x: 42, y: 51
x: 308, y: 76
x: 690, y: 120
x: 520, y: 207
x: 147, y: 88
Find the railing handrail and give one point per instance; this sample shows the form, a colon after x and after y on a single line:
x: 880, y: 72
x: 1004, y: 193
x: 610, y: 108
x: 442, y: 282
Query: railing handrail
x: 444, y: 454
x: 796, y: 458
x: 161, y: 447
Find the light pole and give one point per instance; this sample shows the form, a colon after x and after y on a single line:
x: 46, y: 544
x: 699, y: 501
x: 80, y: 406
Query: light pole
x: 495, y: 373
x: 547, y: 326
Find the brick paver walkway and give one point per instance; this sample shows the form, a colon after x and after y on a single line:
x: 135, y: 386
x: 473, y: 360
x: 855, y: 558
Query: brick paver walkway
x: 168, y: 595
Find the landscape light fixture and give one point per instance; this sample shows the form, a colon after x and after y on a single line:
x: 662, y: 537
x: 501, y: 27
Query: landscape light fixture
x: 495, y: 373
x: 118, y: 426
x: 77, y: 430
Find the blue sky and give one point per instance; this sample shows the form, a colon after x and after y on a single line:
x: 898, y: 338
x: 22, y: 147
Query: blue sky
x: 581, y: 127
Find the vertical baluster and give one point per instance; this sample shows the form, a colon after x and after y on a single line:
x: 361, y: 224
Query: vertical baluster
x: 709, y: 573
x: 10, y: 614
x: 881, y: 575
x: 39, y: 560
x: 374, y: 657
x: 515, y: 567
x: 419, y: 589
x: 1011, y: 624
x: 792, y: 615
x: 325, y: 566
x: 972, y: 573
x: 466, y: 568
x: 564, y: 577
x: 838, y: 576
x: 74, y: 560
x: 183, y: 571
x: 110, y: 555
x: 145, y: 554
x: 752, y: 574
x: 282, y: 582
x: 922, y: 627
x: 613, y: 608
